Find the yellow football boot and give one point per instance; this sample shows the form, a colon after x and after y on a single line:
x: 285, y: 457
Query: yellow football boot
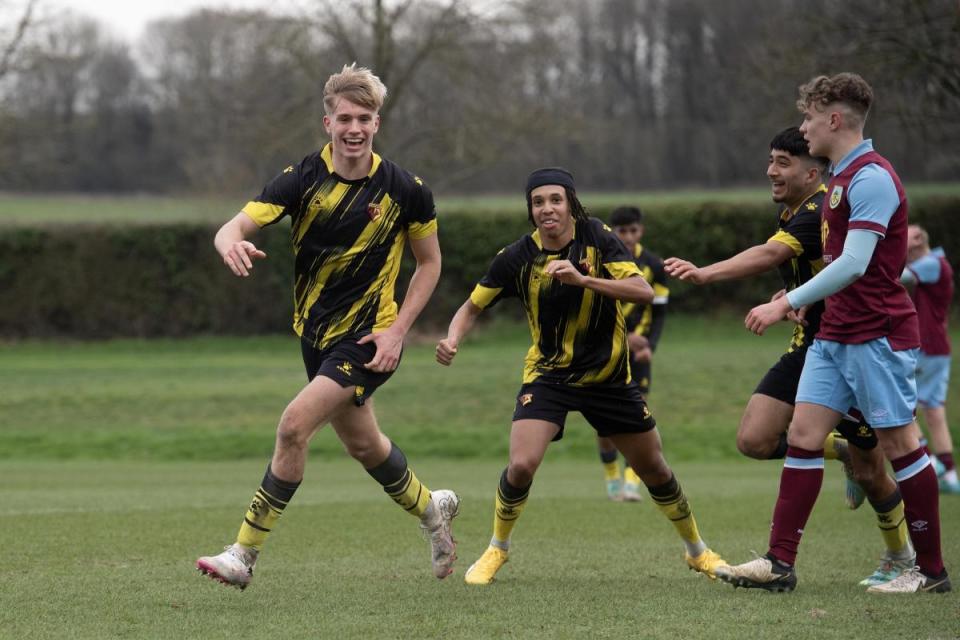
x: 483, y: 570
x: 705, y: 563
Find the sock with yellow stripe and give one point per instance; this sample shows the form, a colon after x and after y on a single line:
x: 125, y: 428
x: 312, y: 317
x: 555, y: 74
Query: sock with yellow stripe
x: 630, y: 476
x: 672, y: 503
x: 401, y: 483
x: 265, y: 509
x: 893, y: 524
x: 509, y: 505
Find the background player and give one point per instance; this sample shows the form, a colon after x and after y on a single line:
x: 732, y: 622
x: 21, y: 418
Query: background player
x: 570, y: 274
x: 644, y: 327
x: 931, y: 276
x: 351, y: 213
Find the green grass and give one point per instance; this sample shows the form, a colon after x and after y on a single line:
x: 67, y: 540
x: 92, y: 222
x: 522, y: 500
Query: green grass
x: 32, y: 209
x: 220, y: 398
x: 106, y: 550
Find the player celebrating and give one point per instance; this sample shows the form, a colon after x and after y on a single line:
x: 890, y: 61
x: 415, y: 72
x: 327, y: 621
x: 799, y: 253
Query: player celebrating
x: 570, y: 274
x: 644, y: 326
x: 351, y: 213
x: 932, y: 279
x: 865, y: 352
x: 795, y: 249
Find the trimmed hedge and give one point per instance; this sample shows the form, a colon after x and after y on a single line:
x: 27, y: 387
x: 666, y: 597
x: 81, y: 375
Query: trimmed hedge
x: 145, y: 281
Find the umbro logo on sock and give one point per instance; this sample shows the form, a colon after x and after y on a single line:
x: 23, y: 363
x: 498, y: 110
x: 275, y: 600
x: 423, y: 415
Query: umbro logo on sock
x: 918, y: 525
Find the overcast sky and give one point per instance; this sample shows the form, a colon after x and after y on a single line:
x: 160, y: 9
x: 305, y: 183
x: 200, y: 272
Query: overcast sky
x: 127, y: 18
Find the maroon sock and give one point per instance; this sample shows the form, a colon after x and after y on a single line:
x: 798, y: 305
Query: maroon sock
x: 946, y: 459
x: 921, y: 502
x: 800, y: 483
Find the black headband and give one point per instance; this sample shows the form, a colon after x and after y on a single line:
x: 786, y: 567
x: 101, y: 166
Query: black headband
x: 549, y: 175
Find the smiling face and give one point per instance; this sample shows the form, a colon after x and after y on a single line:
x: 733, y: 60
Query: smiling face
x: 351, y: 128
x: 791, y: 177
x: 551, y: 215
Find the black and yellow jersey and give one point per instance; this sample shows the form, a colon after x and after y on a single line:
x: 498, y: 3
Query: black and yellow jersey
x: 579, y: 336
x: 647, y: 320
x: 800, y: 230
x: 348, y: 238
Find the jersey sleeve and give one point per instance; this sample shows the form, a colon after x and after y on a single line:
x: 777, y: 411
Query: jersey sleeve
x: 279, y: 198
x: 802, y: 234
x: 499, y: 282
x: 421, y: 212
x: 614, y: 257
x: 873, y: 199
x: 661, y: 293
x: 926, y: 269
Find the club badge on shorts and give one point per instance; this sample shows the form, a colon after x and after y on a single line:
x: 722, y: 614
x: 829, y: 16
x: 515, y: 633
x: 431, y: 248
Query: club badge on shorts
x: 835, y: 196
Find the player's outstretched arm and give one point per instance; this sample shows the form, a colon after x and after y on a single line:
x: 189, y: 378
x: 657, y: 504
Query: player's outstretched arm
x: 460, y: 325
x: 755, y: 260
x: 231, y: 243
x: 852, y: 264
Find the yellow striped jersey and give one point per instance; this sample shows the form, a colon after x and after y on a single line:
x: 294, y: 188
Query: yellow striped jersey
x: 647, y: 320
x: 800, y: 230
x: 348, y: 237
x: 579, y: 336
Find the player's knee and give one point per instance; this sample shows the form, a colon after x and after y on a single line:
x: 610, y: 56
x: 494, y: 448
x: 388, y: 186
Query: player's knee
x: 364, y: 451
x: 752, y: 447
x: 293, y: 432
x: 521, y: 471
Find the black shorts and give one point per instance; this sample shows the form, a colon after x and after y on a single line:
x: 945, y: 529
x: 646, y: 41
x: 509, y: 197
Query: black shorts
x: 343, y: 363
x: 610, y: 410
x: 783, y: 378
x: 781, y: 383
x: 641, y: 373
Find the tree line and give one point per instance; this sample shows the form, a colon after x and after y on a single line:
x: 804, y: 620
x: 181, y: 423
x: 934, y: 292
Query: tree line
x: 629, y: 94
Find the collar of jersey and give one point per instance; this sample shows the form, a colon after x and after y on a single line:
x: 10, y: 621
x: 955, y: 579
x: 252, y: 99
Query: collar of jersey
x: 327, y: 155
x: 535, y: 236
x: 788, y: 213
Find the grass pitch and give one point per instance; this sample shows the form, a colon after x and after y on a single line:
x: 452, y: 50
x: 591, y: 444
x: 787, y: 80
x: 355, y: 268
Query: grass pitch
x: 106, y: 550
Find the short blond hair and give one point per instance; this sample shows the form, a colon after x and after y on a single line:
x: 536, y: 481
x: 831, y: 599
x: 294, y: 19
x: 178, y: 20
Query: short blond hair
x: 848, y: 89
x: 358, y: 85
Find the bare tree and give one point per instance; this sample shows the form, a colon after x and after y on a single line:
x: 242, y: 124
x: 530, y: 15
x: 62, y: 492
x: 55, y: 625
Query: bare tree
x: 10, y: 41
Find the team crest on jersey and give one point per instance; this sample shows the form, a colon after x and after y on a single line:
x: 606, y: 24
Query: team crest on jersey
x: 835, y: 196
x: 526, y: 399
x: 374, y: 210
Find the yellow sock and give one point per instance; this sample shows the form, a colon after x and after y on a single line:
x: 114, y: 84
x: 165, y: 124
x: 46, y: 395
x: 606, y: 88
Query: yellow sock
x: 508, y: 506
x: 611, y: 471
x: 409, y: 493
x: 893, y: 528
x: 265, y: 509
x: 630, y: 476
x: 672, y: 503
x: 829, y: 450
